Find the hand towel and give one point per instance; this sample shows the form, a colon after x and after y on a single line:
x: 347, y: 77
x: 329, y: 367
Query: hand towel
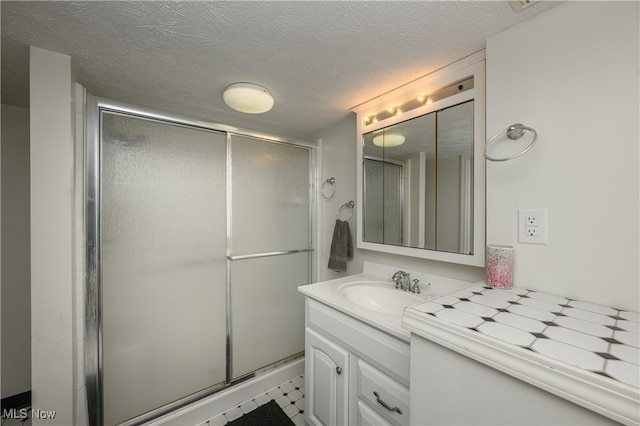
x: 341, y: 247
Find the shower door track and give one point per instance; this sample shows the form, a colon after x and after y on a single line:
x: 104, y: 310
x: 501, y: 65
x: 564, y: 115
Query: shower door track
x: 94, y: 106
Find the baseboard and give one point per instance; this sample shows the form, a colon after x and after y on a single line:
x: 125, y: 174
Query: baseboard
x: 210, y: 407
x: 21, y: 400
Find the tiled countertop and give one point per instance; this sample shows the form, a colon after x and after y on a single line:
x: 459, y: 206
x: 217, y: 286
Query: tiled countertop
x: 593, y: 350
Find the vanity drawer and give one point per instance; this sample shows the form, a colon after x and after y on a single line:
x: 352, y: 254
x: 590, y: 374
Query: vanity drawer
x: 368, y: 417
x: 378, y: 390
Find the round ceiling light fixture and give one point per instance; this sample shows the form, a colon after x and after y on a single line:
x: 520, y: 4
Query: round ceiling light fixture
x: 388, y: 139
x: 248, y: 98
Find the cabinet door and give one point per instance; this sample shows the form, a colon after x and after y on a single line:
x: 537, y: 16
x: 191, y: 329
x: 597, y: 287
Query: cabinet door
x: 326, y: 375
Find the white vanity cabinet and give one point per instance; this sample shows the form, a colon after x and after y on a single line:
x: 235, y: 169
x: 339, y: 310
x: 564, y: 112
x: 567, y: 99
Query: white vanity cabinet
x: 449, y: 388
x: 355, y: 374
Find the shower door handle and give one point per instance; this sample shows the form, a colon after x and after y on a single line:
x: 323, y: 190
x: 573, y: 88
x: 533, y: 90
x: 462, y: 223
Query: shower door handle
x: 270, y: 254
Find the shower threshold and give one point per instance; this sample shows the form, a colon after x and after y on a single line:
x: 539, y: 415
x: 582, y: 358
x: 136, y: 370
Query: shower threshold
x: 225, y: 402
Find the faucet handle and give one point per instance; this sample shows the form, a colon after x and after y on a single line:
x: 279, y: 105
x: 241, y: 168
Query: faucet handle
x: 397, y: 278
x: 415, y: 288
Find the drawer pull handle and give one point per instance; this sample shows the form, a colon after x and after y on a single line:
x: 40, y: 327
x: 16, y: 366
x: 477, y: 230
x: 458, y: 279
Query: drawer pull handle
x: 339, y: 370
x: 384, y: 404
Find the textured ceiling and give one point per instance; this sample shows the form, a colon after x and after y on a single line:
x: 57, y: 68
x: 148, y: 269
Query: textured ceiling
x: 318, y: 59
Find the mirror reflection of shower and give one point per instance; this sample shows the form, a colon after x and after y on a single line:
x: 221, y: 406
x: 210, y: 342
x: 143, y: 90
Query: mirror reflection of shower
x: 419, y: 193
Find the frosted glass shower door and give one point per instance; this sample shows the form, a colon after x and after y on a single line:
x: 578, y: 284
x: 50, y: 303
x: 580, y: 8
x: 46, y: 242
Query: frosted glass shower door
x: 269, y: 259
x: 163, y: 263
x: 383, y: 202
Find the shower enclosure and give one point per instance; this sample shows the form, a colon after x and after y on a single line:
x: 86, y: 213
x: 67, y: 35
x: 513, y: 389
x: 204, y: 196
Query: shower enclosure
x: 197, y: 240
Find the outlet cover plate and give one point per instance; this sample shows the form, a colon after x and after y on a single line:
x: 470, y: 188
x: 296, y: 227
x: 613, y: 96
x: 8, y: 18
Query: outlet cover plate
x: 532, y: 226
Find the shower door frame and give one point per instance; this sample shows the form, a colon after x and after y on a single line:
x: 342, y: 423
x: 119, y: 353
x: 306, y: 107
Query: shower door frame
x: 93, y: 362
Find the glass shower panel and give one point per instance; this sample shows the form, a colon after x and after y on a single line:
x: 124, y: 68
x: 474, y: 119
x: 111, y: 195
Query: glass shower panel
x: 392, y: 204
x: 267, y: 313
x: 163, y: 263
x: 270, y: 205
x: 270, y: 213
x: 383, y: 198
x: 373, y: 230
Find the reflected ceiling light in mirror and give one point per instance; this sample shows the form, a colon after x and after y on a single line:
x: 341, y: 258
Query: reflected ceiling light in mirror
x: 248, y: 98
x: 388, y: 139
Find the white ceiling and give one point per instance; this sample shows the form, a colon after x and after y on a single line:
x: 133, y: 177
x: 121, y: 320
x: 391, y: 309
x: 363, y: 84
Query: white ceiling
x: 318, y: 58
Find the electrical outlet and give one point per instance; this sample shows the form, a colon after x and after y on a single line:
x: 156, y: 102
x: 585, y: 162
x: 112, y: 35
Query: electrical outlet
x: 531, y: 231
x: 532, y: 226
x: 531, y: 220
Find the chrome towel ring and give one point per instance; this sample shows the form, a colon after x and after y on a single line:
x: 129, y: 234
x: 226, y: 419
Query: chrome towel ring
x: 350, y: 205
x: 514, y: 132
x: 331, y: 181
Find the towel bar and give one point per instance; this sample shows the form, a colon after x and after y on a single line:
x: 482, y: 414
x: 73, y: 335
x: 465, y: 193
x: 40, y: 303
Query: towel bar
x: 350, y: 205
x: 514, y: 132
x: 331, y: 181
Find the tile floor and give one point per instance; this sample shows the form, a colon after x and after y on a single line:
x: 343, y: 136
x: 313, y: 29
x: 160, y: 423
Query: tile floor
x: 289, y: 396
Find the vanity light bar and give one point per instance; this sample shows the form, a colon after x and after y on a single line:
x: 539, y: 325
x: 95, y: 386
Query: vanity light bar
x: 413, y: 103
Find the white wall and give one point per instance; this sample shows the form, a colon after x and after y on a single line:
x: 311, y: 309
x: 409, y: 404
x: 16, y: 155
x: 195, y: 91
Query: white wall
x: 572, y: 74
x: 337, y: 161
x: 79, y: 264
x: 16, y: 274
x: 51, y: 235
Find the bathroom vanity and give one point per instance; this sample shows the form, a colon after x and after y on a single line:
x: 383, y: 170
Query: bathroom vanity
x: 357, y: 355
x: 463, y: 353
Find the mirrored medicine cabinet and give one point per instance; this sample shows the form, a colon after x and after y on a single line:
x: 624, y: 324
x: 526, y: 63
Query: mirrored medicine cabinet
x: 421, y: 175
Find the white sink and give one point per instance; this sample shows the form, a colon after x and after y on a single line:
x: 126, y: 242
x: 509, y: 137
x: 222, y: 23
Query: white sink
x: 379, y: 296
x: 371, y: 296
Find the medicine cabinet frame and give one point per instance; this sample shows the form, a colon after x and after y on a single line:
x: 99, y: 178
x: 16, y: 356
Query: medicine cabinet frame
x: 386, y: 110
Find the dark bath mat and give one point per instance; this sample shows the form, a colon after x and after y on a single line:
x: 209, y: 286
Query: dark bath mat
x: 269, y: 414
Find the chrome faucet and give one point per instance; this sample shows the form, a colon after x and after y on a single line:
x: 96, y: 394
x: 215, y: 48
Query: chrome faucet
x: 402, y: 280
